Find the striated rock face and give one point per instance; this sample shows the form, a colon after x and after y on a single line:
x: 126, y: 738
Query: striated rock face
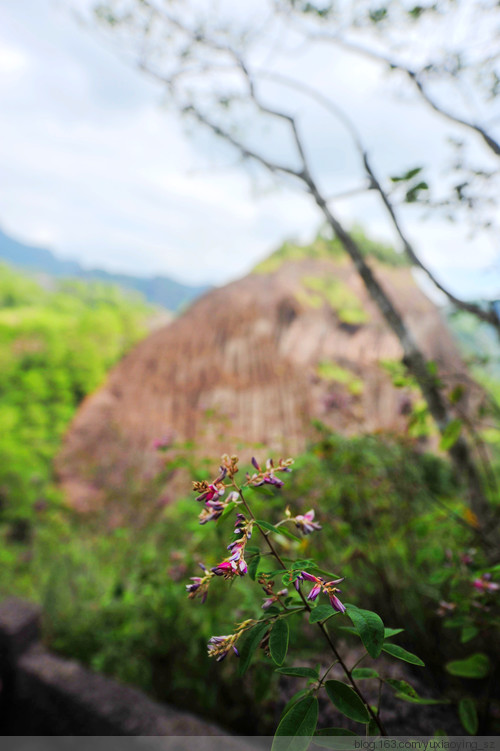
x: 253, y: 362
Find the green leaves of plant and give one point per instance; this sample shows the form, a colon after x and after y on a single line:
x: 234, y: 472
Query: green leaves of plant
x: 321, y: 613
x: 468, y: 715
x: 370, y: 628
x: 402, y: 654
x: 475, y: 666
x: 277, y: 531
x: 299, y: 672
x: 253, y: 566
x: 362, y: 674
x: 278, y: 641
x: 250, y: 644
x: 388, y: 632
x: 450, y: 434
x: 404, y: 691
x: 468, y: 633
x: 297, y: 726
x: 407, y: 175
x: 412, y: 194
x: 347, y: 701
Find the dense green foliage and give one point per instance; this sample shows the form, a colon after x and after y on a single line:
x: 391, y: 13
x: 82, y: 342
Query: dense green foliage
x: 56, y: 345
x: 115, y: 598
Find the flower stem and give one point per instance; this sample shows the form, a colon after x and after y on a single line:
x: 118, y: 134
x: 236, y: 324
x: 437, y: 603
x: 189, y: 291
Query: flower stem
x: 321, y: 626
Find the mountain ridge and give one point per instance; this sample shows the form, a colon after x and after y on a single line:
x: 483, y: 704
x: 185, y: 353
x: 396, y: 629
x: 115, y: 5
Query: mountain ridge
x: 159, y: 290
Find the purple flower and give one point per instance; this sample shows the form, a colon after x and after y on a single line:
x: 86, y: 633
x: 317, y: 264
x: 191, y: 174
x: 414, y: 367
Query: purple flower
x: 215, y: 508
x: 314, y: 592
x: 212, y: 511
x: 236, y: 565
x: 273, y: 598
x: 328, y: 588
x: 211, y: 491
x: 336, y: 604
x: 267, y: 476
x: 219, y: 646
x: 200, y: 584
x: 484, y: 584
x: 305, y: 522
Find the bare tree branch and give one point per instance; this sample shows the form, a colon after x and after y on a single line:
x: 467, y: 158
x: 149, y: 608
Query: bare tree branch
x: 416, y: 79
x: 488, y: 316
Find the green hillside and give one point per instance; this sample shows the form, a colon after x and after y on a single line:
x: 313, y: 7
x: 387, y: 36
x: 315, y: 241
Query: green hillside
x: 55, y: 348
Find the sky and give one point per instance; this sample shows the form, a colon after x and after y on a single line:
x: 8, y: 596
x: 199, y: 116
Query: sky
x: 95, y: 167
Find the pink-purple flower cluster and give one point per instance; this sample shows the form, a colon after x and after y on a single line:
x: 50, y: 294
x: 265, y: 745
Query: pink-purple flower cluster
x: 199, y: 587
x: 214, y: 508
x: 213, y: 490
x: 268, y: 587
x: 267, y: 476
x: 305, y: 522
x: 236, y: 565
x: 219, y: 646
x: 328, y: 588
x: 483, y: 583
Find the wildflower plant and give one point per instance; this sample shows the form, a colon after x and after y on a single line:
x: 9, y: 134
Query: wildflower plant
x: 470, y: 604
x: 304, y: 591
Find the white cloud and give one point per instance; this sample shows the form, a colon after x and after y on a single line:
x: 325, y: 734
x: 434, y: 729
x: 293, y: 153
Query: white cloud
x: 93, y: 167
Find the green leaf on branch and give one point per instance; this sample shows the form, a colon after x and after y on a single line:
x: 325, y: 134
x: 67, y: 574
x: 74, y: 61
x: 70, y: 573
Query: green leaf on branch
x: 295, y: 698
x: 388, y: 632
x: 253, y: 565
x: 250, y: 644
x: 299, y: 672
x: 347, y: 701
x: 262, y: 490
x: 363, y: 674
x: 419, y: 699
x: 230, y: 506
x: 277, y: 530
x: 450, y: 434
x: 468, y: 633
x: 349, y: 630
x: 321, y: 613
x: 412, y: 194
x: 402, y: 687
x: 278, y: 641
x: 404, y: 691
x: 370, y: 628
x: 402, y: 654
x: 475, y: 666
x: 468, y: 715
x: 297, y: 726
x: 272, y: 610
x: 407, y: 175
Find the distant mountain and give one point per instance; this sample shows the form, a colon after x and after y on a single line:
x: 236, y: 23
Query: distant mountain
x: 160, y: 290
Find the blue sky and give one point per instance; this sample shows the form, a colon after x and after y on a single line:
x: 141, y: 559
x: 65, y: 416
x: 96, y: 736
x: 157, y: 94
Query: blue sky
x: 93, y: 166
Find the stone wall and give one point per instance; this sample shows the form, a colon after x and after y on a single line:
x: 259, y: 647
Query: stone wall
x: 47, y: 695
